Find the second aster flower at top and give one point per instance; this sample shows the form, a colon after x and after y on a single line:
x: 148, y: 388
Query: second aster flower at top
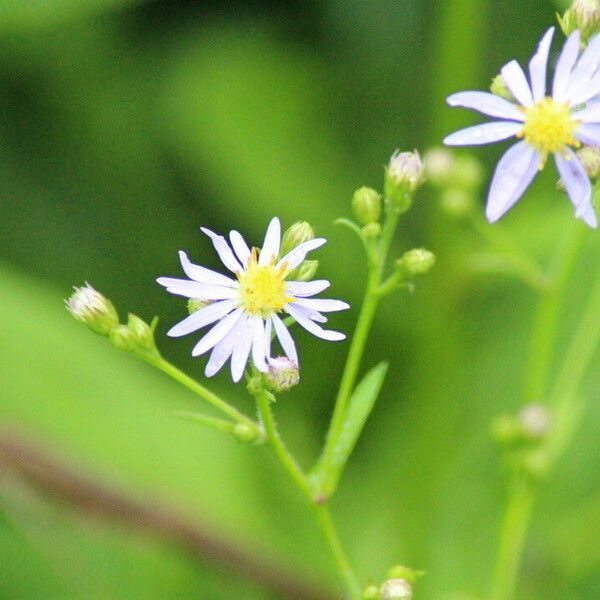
x: 553, y: 124
x: 246, y: 308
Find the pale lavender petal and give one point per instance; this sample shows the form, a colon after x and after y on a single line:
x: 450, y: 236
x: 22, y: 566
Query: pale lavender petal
x: 538, y: 65
x: 312, y: 314
x: 205, y: 316
x: 285, y: 339
x: 514, y: 173
x: 217, y: 333
x: 294, y: 257
x: 259, y: 346
x: 587, y: 65
x: 488, y: 104
x: 486, y: 133
x: 323, y: 305
x: 239, y: 247
x: 268, y: 337
x: 221, y: 353
x: 586, y: 92
x: 270, y: 247
x: 312, y: 327
x: 589, y: 135
x: 193, y: 289
x: 578, y: 186
x: 241, y: 348
x: 589, y: 114
x: 307, y: 288
x: 223, y: 250
x: 202, y: 274
x: 564, y: 67
x: 517, y: 82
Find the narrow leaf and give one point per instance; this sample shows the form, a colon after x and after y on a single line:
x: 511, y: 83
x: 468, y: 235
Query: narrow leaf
x: 359, y: 408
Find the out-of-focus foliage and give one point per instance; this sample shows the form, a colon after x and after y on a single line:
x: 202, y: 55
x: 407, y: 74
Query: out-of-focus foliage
x: 124, y: 126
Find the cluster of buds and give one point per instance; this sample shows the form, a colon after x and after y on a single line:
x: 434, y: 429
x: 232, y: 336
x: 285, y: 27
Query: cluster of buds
x: 583, y: 15
x: 297, y: 234
x: 528, y: 427
x: 457, y: 177
x: 97, y: 312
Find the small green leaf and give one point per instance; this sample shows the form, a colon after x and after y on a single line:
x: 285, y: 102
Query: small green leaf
x: 359, y: 408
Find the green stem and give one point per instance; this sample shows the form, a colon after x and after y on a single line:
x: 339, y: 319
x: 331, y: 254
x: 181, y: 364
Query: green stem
x: 564, y: 395
x: 547, y: 317
x: 377, y: 261
x: 297, y: 475
x: 198, y: 389
x: 512, y: 539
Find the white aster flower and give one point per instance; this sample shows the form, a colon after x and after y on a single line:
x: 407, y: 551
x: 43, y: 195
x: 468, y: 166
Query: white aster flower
x: 552, y: 124
x: 246, y: 308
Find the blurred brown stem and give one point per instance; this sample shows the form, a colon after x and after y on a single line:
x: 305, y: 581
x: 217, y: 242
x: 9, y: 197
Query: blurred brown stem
x: 49, y: 474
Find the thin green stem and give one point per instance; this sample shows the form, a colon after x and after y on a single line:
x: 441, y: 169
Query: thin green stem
x: 377, y: 260
x: 198, y: 389
x: 297, y: 475
x: 512, y: 539
x: 546, y: 322
x: 564, y: 395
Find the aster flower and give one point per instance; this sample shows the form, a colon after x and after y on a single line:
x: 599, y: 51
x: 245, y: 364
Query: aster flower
x: 545, y: 124
x: 246, y: 309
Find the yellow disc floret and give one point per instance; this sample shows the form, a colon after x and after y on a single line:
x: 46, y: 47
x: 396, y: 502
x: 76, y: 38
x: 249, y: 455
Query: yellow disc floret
x: 549, y: 126
x: 262, y: 287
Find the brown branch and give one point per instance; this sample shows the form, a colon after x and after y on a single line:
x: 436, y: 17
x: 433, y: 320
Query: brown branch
x: 79, y: 491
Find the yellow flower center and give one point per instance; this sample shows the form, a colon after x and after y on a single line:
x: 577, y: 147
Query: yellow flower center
x: 549, y: 126
x: 262, y: 287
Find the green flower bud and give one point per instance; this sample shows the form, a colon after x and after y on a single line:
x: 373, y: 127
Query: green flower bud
x: 417, y: 261
x: 137, y: 336
x: 296, y: 234
x: 244, y: 433
x: 90, y: 307
x: 305, y: 271
x: 396, y: 589
x: 195, y: 304
x: 535, y: 421
x: 439, y: 165
x: 467, y: 173
x: 366, y: 204
x: 590, y: 159
x: 498, y: 87
x: 456, y: 202
x: 371, y: 592
x: 403, y: 175
x: 583, y: 15
x: 283, y: 374
x: 372, y: 230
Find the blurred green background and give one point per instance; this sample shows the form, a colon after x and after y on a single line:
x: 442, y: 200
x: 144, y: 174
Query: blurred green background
x: 124, y: 126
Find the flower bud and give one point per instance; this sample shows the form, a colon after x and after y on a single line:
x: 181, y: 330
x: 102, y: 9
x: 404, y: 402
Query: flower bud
x: 396, y: 589
x: 583, y: 15
x: 456, y: 202
x: 439, y: 165
x: 90, y: 307
x: 305, y: 271
x: 371, y: 592
x: 195, y: 304
x: 535, y: 421
x: 244, y: 433
x: 417, y: 261
x: 282, y: 375
x: 498, y: 87
x: 366, y: 204
x: 590, y: 159
x: 372, y: 230
x: 403, y: 175
x: 296, y: 234
x: 137, y: 336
